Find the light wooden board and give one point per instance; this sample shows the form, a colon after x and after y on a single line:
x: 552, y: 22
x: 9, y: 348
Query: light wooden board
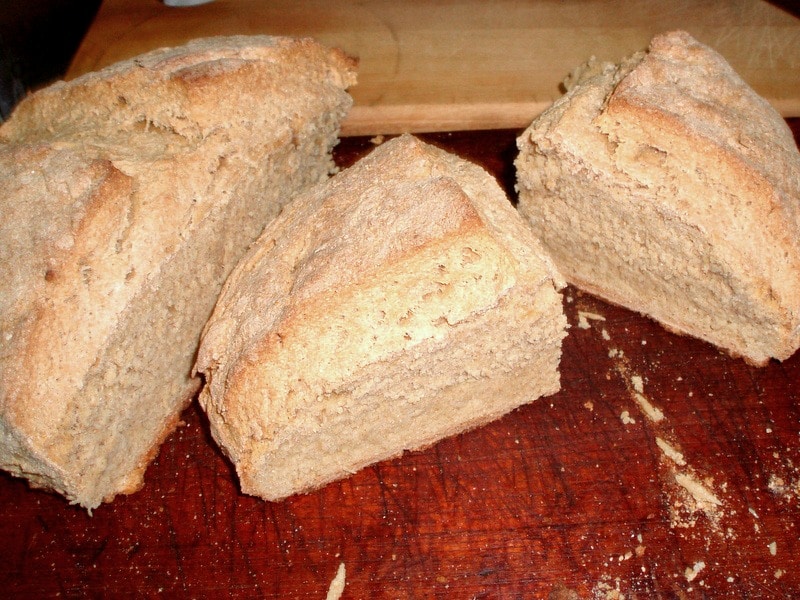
x: 468, y: 64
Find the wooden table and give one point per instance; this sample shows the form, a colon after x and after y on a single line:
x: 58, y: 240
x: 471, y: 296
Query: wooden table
x: 579, y: 494
x: 453, y: 65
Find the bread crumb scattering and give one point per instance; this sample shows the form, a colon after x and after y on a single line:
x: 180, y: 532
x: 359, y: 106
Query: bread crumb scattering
x: 783, y: 489
x: 336, y: 588
x: 773, y: 548
x: 604, y: 590
x: 650, y: 411
x: 584, y: 317
x: 670, y: 452
x: 698, y: 491
x: 692, y: 572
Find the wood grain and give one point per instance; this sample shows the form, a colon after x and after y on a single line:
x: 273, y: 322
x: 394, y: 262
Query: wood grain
x: 466, y: 64
x: 563, y: 497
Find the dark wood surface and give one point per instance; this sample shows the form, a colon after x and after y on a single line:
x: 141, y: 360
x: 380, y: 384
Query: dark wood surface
x: 568, y: 497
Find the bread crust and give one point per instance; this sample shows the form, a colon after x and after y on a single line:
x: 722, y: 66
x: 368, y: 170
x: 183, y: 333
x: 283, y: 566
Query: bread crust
x: 376, y: 314
x: 670, y: 170
x: 131, y: 194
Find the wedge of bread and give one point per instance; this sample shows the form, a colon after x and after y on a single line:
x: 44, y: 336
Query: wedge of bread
x: 128, y: 196
x: 666, y: 185
x: 402, y: 301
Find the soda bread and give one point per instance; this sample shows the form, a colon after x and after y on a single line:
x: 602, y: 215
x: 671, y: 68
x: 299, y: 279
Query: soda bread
x: 402, y: 301
x: 128, y: 196
x: 666, y: 185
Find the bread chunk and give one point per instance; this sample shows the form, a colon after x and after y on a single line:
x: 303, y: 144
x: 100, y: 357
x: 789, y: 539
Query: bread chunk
x: 667, y: 185
x: 128, y: 196
x: 402, y: 301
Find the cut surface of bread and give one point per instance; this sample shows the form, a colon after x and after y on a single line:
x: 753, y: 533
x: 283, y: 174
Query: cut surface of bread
x: 667, y: 185
x: 402, y: 301
x: 129, y: 195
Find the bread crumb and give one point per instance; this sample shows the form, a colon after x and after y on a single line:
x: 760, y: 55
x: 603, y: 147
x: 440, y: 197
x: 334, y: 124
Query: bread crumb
x: 589, y: 405
x: 377, y: 140
x: 778, y: 486
x: 697, y: 490
x: 650, y: 411
x: 639, y: 550
x: 584, y: 317
x: 605, y: 335
x: 562, y: 592
x: 604, y: 591
x: 670, y: 452
x: 626, y: 418
x: 337, y: 584
x: 773, y: 548
x: 778, y: 573
x: 691, y: 572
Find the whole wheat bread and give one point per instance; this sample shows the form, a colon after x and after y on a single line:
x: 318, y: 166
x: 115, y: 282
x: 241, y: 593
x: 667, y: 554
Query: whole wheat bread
x: 128, y: 195
x: 667, y: 185
x: 402, y: 301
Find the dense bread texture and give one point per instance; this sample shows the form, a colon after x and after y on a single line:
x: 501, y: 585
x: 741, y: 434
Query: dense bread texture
x: 402, y: 301
x: 667, y: 185
x: 128, y: 196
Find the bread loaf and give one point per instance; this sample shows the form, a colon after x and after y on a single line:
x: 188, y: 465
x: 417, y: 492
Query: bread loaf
x: 128, y: 195
x: 402, y: 301
x: 667, y: 185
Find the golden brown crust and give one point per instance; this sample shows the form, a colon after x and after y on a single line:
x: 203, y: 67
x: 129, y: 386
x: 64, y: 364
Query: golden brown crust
x: 375, y: 314
x: 665, y: 184
x: 131, y: 193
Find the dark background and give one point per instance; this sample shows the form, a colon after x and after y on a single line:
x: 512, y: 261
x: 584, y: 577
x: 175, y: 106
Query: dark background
x: 38, y: 38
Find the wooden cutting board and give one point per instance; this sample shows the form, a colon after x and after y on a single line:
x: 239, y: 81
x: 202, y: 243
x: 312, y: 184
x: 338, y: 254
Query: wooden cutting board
x: 466, y: 64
